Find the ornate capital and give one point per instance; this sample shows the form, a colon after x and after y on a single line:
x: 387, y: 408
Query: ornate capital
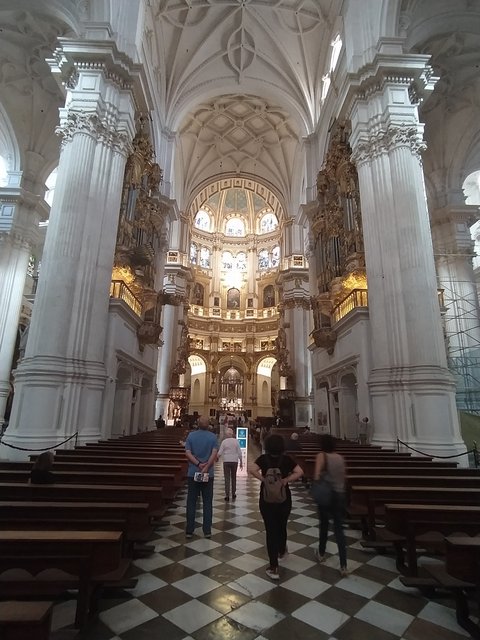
x: 101, y: 130
x: 393, y: 137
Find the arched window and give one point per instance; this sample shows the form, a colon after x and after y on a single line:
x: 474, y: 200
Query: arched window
x: 227, y: 261
x: 50, y: 183
x: 193, y: 253
x: 205, y: 258
x: 275, y: 261
x: 268, y: 222
x: 336, y: 49
x: 235, y: 227
x: 242, y: 261
x: 202, y: 220
x: 263, y: 262
x: 3, y: 172
x: 325, y: 86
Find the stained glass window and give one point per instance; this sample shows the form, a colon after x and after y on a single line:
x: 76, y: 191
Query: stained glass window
x: 268, y: 223
x: 235, y: 227
x: 202, y: 220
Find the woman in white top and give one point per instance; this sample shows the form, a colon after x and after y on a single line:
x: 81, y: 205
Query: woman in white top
x: 232, y: 455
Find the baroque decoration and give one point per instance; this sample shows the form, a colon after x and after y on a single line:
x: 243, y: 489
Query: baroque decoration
x: 139, y: 235
x: 337, y: 236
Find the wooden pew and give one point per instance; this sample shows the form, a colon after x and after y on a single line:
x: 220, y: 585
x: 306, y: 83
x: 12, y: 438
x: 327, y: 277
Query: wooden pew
x: 307, y: 462
x: 368, y: 501
x: 163, y: 480
x: 101, y: 458
x: 25, y: 620
x: 135, y: 515
x: 90, y: 556
x: 460, y: 575
x: 94, y: 467
x: 411, y: 522
x: 86, y: 493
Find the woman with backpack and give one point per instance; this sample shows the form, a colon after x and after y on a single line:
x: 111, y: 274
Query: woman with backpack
x: 275, y: 470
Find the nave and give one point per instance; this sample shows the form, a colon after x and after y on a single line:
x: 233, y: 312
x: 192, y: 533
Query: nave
x: 207, y: 589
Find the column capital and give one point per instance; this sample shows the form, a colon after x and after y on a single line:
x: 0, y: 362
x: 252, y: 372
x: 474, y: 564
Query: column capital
x: 93, y: 125
x: 373, y: 145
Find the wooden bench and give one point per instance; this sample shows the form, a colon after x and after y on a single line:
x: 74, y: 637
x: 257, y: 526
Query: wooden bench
x: 153, y: 496
x: 164, y: 480
x: 176, y: 470
x: 25, y: 620
x: 460, y: 575
x: 132, y: 517
x: 368, y: 501
x: 425, y: 526
x: 89, y: 558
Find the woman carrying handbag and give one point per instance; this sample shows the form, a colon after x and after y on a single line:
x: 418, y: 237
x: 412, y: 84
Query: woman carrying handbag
x: 330, y: 468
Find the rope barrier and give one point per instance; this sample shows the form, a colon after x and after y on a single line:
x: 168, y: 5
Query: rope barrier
x: 75, y: 435
x: 456, y: 455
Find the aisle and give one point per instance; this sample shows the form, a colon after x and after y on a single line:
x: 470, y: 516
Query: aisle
x: 217, y: 589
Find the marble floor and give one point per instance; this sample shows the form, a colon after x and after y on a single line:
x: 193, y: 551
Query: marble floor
x: 204, y: 589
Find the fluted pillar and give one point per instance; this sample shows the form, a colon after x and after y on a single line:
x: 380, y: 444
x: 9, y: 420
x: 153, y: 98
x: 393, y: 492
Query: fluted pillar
x: 59, y: 385
x: 412, y: 391
x: 166, y: 357
x: 23, y: 208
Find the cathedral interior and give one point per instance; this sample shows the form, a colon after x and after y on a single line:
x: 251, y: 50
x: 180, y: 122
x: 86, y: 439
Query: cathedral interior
x: 269, y: 211
x: 261, y: 208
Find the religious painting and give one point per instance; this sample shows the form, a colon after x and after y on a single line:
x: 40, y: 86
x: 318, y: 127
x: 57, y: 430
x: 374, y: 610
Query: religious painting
x: 269, y: 296
x: 198, y: 294
x: 250, y: 302
x: 233, y: 298
x: 216, y: 302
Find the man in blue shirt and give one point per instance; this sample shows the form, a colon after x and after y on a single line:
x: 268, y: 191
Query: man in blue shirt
x: 201, y: 450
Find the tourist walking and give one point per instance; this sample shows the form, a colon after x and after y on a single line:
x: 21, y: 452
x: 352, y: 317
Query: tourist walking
x: 333, y: 464
x: 232, y: 456
x: 275, y: 470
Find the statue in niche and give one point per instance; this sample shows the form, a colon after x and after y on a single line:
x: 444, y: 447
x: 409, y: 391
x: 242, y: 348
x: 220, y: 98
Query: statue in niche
x: 269, y: 296
x: 233, y: 299
x: 198, y: 294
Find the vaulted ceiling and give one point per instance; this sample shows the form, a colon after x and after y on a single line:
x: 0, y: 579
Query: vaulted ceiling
x: 239, y: 82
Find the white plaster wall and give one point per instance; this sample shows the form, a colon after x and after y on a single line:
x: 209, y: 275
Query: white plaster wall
x: 352, y: 352
x: 122, y: 344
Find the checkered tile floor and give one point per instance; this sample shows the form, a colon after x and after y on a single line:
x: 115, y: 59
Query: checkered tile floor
x: 207, y: 589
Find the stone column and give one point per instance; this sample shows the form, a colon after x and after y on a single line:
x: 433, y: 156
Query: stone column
x: 412, y: 391
x: 166, y: 357
x: 59, y: 385
x: 23, y: 210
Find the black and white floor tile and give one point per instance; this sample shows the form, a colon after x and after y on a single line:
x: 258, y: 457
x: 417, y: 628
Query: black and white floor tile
x: 204, y: 589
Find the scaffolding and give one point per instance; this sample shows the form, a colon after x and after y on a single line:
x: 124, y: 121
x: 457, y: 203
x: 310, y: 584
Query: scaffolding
x: 461, y: 320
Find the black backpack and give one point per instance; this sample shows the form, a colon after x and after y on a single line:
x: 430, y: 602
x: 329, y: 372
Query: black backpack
x: 274, y: 490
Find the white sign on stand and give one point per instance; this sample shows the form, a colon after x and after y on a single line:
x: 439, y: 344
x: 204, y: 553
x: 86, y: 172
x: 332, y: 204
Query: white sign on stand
x: 242, y: 439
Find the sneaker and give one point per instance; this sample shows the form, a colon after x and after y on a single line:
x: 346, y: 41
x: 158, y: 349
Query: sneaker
x: 272, y: 572
x: 227, y: 498
x: 189, y: 535
x: 208, y: 535
x: 234, y: 496
x: 343, y: 572
x: 319, y: 557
